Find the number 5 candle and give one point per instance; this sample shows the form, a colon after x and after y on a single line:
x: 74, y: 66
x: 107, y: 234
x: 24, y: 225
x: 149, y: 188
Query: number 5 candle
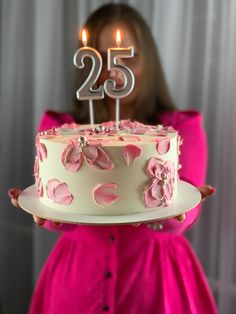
x: 113, y: 55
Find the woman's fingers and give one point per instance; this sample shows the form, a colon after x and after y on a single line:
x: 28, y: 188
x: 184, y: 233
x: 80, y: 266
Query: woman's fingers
x: 137, y: 224
x: 57, y: 224
x: 14, y: 194
x: 206, y: 190
x: 180, y: 218
x: 39, y: 221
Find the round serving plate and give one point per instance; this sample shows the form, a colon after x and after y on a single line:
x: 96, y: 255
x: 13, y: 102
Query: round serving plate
x: 188, y: 197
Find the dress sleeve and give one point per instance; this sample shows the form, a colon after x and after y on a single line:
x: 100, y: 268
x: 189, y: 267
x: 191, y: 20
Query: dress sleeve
x: 193, y: 159
x: 53, y: 119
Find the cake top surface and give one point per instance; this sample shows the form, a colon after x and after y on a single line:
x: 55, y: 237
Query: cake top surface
x: 107, y: 134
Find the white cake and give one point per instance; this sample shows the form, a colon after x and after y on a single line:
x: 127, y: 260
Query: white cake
x: 97, y: 170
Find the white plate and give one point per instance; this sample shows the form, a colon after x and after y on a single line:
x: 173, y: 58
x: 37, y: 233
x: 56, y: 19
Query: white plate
x: 188, y: 198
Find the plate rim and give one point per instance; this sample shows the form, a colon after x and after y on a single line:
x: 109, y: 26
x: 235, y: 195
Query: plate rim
x: 82, y: 219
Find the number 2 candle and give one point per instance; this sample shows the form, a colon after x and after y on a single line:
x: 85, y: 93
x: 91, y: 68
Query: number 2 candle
x: 86, y: 91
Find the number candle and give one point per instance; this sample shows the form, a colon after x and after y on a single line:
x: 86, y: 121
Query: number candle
x: 112, y: 63
x: 86, y: 91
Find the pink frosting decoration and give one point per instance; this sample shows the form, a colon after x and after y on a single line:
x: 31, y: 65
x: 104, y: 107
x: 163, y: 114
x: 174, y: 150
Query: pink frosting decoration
x: 135, y: 127
x: 131, y: 153
x: 97, y: 158
x: 99, y: 141
x: 36, y: 167
x: 159, y: 190
x: 70, y: 125
x: 153, y: 195
x: 129, y: 138
x: 38, y: 182
x: 58, y: 192
x: 72, y: 156
x: 39, y: 186
x: 163, y: 146
x: 101, y: 195
x: 41, y: 149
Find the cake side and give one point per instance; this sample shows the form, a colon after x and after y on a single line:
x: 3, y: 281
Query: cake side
x: 100, y: 171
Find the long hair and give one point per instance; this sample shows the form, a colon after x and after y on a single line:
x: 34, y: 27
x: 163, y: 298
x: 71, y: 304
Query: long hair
x: 154, y: 97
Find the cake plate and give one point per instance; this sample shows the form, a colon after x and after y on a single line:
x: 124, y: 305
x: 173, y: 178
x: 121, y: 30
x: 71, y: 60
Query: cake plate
x: 188, y: 197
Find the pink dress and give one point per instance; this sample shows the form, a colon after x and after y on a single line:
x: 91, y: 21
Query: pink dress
x: 128, y: 269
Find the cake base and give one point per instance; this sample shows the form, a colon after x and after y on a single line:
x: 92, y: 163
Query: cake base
x: 188, y: 197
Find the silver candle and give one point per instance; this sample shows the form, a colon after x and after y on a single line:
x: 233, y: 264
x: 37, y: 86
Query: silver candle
x: 113, y: 55
x: 86, y: 90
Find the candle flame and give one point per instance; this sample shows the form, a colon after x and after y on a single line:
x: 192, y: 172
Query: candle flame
x: 84, y: 37
x: 118, y: 38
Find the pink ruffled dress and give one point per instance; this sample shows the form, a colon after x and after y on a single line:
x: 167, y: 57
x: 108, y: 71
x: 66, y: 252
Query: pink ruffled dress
x: 128, y: 269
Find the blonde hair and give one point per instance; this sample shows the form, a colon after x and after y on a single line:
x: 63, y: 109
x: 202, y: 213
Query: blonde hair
x: 154, y: 97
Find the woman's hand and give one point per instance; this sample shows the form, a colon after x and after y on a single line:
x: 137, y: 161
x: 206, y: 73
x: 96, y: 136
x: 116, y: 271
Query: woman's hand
x: 206, y: 190
x: 14, y: 194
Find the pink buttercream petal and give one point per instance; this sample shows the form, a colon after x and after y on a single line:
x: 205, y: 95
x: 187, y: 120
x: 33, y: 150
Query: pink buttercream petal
x: 150, y: 198
x: 58, y: 192
x: 90, y: 152
x: 129, y: 138
x: 131, y: 153
x: 62, y: 194
x: 41, y: 149
x: 155, y: 168
x: 41, y: 152
x: 108, y: 123
x: 157, y: 190
x: 157, y: 140
x: 159, y: 170
x: 151, y: 167
x: 39, y: 187
x: 70, y: 126
x: 163, y: 146
x: 36, y: 167
x: 50, y: 188
x: 98, y: 141
x: 74, y: 141
x: 168, y: 191
x: 102, y: 161
x: 170, y: 169
x: 102, y: 196
x: 72, y: 157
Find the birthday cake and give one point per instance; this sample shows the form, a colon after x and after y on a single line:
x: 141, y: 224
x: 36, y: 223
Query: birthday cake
x: 105, y: 170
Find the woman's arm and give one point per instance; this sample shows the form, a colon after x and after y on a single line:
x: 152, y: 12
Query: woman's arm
x: 193, y: 159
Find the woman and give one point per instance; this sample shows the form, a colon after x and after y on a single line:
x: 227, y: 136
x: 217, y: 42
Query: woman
x: 149, y: 268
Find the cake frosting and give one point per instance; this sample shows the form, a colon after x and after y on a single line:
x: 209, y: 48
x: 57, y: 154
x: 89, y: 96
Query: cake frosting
x: 99, y: 170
